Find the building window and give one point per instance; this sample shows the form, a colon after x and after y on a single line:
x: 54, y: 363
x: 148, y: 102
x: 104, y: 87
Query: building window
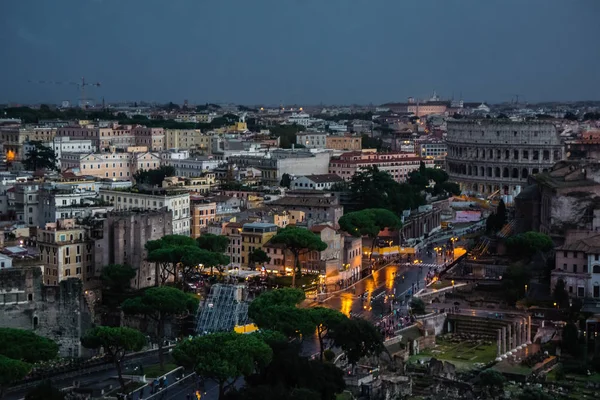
x: 580, y: 291
x: 574, y: 268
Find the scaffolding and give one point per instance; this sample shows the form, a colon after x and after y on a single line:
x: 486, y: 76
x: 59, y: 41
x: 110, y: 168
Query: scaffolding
x: 225, y: 308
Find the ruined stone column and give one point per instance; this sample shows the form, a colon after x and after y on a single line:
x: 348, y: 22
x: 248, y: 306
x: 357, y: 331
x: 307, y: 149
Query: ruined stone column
x: 529, y: 329
x: 509, y: 344
x: 514, y: 339
x: 504, y: 341
x: 524, y: 333
x: 518, y: 334
x: 499, y: 346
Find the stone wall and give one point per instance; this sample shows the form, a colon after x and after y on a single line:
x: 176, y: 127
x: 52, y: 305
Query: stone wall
x: 56, y: 312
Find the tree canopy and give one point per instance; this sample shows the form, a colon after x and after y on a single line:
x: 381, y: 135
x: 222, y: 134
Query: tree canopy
x: 40, y: 157
x: 369, y: 222
x: 161, y: 304
x: 373, y: 188
x: 11, y: 371
x: 560, y: 295
x: 173, y: 252
x: 417, y: 306
x: 210, y: 242
x: 223, y: 356
x: 298, y: 241
x: 491, y: 381
x: 18, y: 350
x: 116, y: 342
x: 529, y: 243
x: 358, y: 338
x: 258, y: 256
x: 497, y: 220
x: 514, y: 280
x: 154, y: 177
x: 26, y: 346
x: 277, y: 310
x: 117, y: 277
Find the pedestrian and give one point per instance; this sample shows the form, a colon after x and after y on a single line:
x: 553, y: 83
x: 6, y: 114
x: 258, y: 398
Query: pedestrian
x: 151, y: 387
x: 188, y: 397
x: 166, y: 382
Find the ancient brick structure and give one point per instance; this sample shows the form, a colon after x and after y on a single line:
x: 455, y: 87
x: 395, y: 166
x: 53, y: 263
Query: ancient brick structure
x: 56, y: 312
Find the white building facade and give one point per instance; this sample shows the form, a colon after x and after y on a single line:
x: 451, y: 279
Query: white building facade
x: 176, y: 202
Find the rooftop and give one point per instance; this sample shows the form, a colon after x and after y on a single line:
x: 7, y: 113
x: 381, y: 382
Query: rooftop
x: 588, y: 245
x: 325, y: 178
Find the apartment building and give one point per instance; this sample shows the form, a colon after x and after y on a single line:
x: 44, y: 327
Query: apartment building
x: 312, y: 140
x: 192, y: 167
x: 352, y: 257
x: 201, y: 184
x: 344, y: 143
x: 435, y: 149
x: 55, y: 203
x: 178, y: 203
x: 578, y: 265
x: 315, y: 182
x: 119, y: 166
x: 233, y: 231
x: 116, y: 136
x: 203, y: 213
x: 399, y: 165
x: 187, y: 139
x: 254, y: 236
x: 318, y: 206
x: 25, y: 202
x: 66, y: 251
x: 274, y: 164
x: 62, y: 145
x: 13, y: 138
x: 329, y: 260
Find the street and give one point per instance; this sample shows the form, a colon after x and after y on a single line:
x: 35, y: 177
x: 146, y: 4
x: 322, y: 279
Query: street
x: 370, y: 297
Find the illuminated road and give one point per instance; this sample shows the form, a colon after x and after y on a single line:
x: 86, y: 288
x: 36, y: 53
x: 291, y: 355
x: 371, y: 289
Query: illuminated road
x: 370, y: 297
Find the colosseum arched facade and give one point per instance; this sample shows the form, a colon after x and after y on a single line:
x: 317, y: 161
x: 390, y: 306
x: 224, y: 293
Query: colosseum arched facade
x: 487, y: 155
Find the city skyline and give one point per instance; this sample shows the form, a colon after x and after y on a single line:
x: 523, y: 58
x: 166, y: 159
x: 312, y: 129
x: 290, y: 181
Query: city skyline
x: 300, y: 52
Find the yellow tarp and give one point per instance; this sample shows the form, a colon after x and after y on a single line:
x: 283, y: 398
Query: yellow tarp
x: 245, y: 328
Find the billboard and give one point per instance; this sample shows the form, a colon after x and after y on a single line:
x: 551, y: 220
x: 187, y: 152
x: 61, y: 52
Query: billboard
x: 467, y: 216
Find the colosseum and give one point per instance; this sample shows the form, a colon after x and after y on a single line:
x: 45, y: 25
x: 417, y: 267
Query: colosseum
x: 487, y: 155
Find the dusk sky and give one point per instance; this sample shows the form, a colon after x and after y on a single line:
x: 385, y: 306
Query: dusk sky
x: 300, y: 51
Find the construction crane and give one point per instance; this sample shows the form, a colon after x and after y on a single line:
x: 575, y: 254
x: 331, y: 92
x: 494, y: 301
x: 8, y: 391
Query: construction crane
x: 83, y: 101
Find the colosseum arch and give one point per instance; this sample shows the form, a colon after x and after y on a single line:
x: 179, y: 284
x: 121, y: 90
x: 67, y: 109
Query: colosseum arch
x: 515, y: 173
x: 497, y: 172
x: 505, y: 173
x: 524, y: 173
